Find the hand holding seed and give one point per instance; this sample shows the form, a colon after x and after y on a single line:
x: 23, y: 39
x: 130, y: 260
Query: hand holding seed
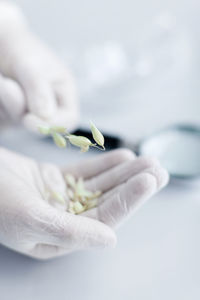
x: 44, y: 228
x: 42, y: 88
x: 44, y: 211
x: 121, y: 183
x: 79, y: 199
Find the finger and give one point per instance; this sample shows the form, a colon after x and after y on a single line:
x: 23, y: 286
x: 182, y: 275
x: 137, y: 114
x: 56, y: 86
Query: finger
x: 68, y: 112
x: 45, y: 251
x: 131, y: 196
x: 97, y: 165
x: 32, y: 122
x: 66, y: 92
x: 41, y: 100
x: 12, y: 100
x: 159, y: 173
x: 73, y: 232
x: 67, y: 119
x: 93, y: 213
x: 120, y: 173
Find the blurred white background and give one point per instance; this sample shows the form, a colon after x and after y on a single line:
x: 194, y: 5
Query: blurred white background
x: 135, y: 59
x: 137, y: 69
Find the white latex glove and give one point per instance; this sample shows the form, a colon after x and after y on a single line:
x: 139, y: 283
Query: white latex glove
x: 48, y: 87
x: 31, y: 225
x: 12, y: 102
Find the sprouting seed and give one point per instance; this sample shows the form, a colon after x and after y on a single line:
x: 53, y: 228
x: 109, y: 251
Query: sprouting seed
x: 70, y: 180
x: 79, y: 141
x: 58, y: 129
x: 96, y: 194
x: 60, y: 137
x: 58, y: 197
x: 78, y: 207
x: 91, y: 204
x: 44, y: 130
x: 70, y: 193
x: 80, y: 184
x: 71, y: 207
x: 79, y: 198
x: 83, y: 200
x: 79, y: 188
x: 87, y: 194
x: 97, y: 135
x: 59, y: 140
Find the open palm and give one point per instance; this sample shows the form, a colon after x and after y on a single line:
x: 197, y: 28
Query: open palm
x: 31, y: 225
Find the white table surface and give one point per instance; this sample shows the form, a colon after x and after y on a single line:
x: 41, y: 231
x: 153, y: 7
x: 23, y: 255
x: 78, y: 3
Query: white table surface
x: 157, y: 256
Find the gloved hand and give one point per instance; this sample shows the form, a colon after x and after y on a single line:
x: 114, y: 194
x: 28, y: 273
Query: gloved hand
x: 12, y: 102
x: 31, y: 225
x: 46, y: 85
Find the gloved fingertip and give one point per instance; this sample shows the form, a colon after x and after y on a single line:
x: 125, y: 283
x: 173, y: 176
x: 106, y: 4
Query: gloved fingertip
x: 93, y: 233
x: 143, y: 184
x: 66, y: 117
x: 41, y: 100
x: 163, y: 178
x: 42, y: 110
x: 161, y: 175
x: 103, y: 236
x: 111, y: 240
x: 31, y: 122
x: 12, y: 99
x: 122, y: 155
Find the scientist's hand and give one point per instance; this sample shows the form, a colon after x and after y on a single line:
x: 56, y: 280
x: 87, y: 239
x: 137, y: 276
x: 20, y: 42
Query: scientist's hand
x: 30, y: 225
x: 49, y: 92
x: 12, y: 102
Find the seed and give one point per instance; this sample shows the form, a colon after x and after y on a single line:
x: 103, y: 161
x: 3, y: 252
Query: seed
x: 97, y: 135
x: 70, y: 180
x: 70, y: 193
x: 44, y: 130
x: 79, y: 141
x: 80, y: 199
x: 96, y: 195
x: 59, y: 140
x: 78, y: 207
x: 58, y: 129
x: 58, y: 197
x: 71, y: 210
x: 87, y: 194
x: 83, y: 200
x: 71, y: 207
x: 79, y: 187
x: 60, y: 134
x: 91, y: 204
